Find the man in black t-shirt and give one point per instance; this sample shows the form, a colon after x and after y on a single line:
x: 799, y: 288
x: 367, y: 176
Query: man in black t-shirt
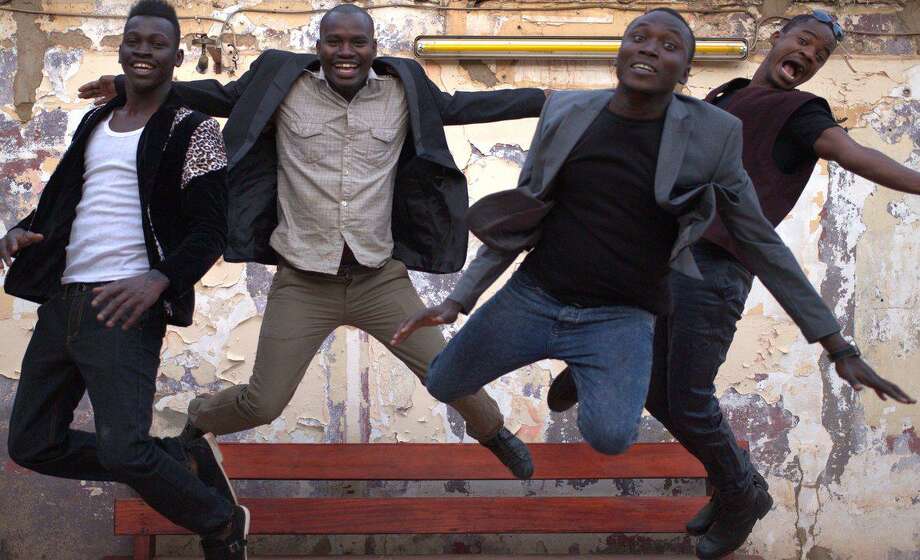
x: 616, y: 187
x: 785, y: 132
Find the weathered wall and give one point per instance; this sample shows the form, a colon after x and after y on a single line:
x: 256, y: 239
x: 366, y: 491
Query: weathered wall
x: 836, y: 462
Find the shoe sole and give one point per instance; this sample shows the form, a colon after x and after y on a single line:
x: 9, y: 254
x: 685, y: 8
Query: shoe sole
x: 211, y: 440
x: 760, y: 516
x: 699, y: 532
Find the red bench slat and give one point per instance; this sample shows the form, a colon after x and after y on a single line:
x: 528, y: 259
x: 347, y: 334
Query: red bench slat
x: 420, y: 461
x: 339, y: 516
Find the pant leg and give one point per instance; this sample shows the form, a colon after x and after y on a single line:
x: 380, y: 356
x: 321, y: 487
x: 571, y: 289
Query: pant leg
x: 302, y: 309
x: 511, y: 330
x: 700, y: 331
x: 49, y: 390
x: 609, y: 352
x: 118, y: 369
x: 656, y: 402
x: 377, y: 302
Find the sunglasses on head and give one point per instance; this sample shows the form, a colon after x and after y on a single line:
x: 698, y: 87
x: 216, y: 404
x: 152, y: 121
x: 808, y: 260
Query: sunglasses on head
x: 829, y: 20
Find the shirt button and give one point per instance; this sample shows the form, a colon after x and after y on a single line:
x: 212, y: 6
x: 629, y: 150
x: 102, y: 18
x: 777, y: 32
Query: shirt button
x: 344, y: 203
x: 345, y: 172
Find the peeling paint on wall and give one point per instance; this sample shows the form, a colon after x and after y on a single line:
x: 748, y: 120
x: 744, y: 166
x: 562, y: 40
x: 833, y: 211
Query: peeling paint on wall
x: 835, y: 460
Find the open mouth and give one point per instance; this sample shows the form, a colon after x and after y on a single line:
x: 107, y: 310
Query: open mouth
x: 791, y: 70
x: 142, y: 68
x: 345, y: 69
x: 643, y: 68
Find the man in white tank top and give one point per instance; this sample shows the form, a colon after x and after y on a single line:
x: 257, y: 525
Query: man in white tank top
x: 132, y: 217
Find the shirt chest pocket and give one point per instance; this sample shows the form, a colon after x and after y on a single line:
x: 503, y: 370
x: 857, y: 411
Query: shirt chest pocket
x: 378, y: 145
x: 309, y: 138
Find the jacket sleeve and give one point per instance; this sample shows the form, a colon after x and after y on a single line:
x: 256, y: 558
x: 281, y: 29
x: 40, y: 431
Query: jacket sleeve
x: 208, y: 96
x: 769, y: 258
x: 204, y: 211
x: 466, y: 107
x: 490, y: 263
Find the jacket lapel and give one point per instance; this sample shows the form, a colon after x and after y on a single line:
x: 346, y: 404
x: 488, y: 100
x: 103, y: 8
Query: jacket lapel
x: 556, y: 149
x: 389, y: 65
x: 152, y: 144
x: 275, y: 93
x: 671, y: 151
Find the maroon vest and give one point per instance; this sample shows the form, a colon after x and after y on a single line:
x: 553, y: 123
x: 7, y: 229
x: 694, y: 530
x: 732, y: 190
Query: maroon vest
x: 763, y: 113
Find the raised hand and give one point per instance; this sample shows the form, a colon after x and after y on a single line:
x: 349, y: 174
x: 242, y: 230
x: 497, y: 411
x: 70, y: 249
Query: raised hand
x: 126, y: 300
x: 14, y: 241
x: 102, y: 90
x: 442, y: 314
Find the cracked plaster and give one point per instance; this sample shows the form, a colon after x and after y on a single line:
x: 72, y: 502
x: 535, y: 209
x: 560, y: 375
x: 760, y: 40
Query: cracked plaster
x: 834, y: 461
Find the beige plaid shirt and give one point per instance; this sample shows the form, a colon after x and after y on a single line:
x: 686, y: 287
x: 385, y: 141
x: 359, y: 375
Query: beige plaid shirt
x: 336, y: 171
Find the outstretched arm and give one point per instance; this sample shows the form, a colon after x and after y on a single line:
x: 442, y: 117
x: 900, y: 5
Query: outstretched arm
x: 471, y: 107
x: 835, y: 144
x: 208, y: 96
x: 772, y: 261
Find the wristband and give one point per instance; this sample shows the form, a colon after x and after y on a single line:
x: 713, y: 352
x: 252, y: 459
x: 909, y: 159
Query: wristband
x: 851, y: 350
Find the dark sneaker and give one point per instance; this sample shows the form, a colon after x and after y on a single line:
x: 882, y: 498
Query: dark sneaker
x: 704, y: 519
x: 229, y: 544
x: 189, y: 433
x: 209, y: 465
x: 563, y: 394
x: 512, y: 452
x: 734, y: 522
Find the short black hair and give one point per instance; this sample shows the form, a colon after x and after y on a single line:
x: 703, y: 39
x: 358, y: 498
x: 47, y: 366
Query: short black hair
x: 802, y: 19
x: 157, y: 8
x: 691, y: 51
x: 347, y: 9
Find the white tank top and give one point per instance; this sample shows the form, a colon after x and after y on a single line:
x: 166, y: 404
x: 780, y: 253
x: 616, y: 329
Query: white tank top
x: 107, y: 236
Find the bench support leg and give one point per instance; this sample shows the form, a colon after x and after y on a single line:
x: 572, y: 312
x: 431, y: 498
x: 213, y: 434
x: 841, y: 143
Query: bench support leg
x: 145, y: 547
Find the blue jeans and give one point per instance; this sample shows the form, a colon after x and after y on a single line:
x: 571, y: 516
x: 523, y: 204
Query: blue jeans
x: 609, y: 351
x: 690, y: 345
x: 72, y: 353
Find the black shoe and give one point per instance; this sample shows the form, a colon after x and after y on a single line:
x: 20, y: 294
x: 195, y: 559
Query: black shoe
x: 704, y: 518
x: 209, y: 466
x: 189, y: 434
x: 734, y: 522
x: 511, y: 451
x: 563, y: 394
x: 229, y: 544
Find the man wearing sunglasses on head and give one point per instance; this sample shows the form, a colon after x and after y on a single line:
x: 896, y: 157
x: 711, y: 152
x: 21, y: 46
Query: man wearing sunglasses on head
x: 785, y: 131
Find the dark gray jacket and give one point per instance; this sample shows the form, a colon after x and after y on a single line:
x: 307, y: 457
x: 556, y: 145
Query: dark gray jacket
x: 699, y: 172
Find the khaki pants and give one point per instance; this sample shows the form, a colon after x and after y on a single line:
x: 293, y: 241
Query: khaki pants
x: 303, y: 308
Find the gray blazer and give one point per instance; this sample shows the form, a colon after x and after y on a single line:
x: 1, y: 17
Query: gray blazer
x: 699, y: 173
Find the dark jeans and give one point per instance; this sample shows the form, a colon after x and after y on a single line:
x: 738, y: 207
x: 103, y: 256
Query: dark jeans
x: 609, y: 351
x: 70, y: 353
x: 690, y: 345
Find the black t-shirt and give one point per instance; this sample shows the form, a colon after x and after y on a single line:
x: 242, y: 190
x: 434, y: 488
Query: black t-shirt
x: 796, y: 141
x: 606, y: 241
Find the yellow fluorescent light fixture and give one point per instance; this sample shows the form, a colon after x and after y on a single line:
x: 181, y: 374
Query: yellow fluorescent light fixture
x: 556, y: 48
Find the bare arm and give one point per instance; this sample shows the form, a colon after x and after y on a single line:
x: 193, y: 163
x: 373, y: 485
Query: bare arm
x: 835, y: 144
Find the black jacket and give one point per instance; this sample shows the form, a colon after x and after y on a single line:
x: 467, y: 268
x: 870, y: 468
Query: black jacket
x: 182, y: 177
x: 431, y: 193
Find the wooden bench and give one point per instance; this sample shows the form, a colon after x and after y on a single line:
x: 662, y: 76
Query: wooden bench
x: 439, y: 515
